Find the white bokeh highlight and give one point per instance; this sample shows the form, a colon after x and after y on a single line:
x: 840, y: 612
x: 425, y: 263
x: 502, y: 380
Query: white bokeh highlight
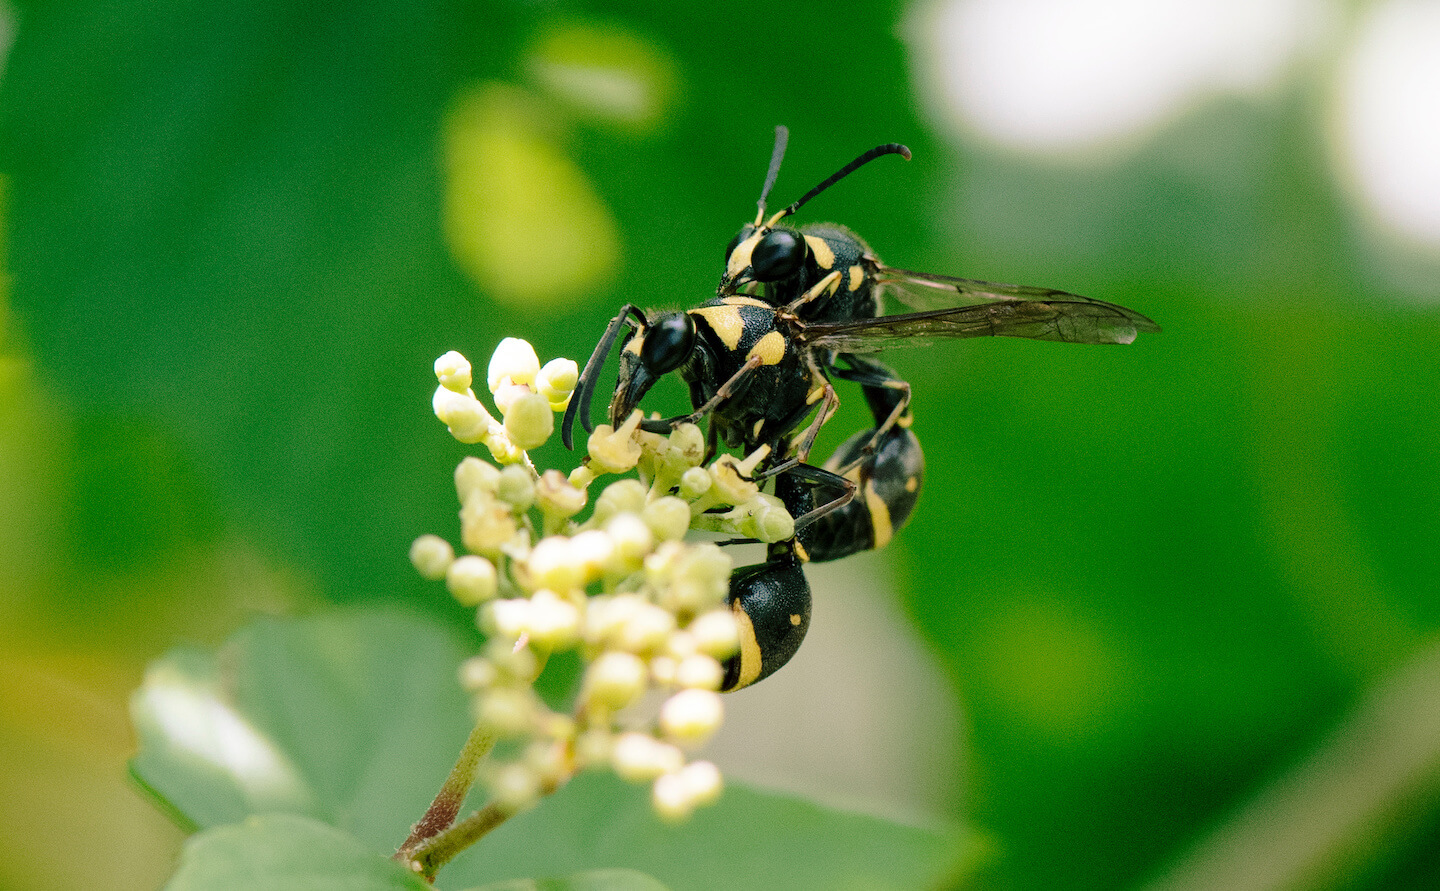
x: 1387, y: 132
x: 1068, y: 75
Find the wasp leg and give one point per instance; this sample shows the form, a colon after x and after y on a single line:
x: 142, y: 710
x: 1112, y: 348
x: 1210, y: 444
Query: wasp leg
x: 585, y: 386
x: 828, y: 283
x: 771, y: 604
x: 888, y: 397
x: 726, y: 390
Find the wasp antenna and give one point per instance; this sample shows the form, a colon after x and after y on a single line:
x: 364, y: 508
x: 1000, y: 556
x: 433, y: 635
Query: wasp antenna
x: 585, y: 386
x: 890, y: 148
x: 782, y: 137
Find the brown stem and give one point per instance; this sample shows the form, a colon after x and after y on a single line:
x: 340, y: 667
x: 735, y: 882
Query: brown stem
x: 446, y: 805
x: 445, y: 846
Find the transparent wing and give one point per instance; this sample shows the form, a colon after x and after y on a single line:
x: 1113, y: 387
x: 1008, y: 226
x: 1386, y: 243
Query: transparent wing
x: 928, y: 291
x: 1069, y: 320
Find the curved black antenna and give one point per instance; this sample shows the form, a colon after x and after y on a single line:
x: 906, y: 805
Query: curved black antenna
x: 585, y: 386
x: 889, y: 148
x: 782, y: 137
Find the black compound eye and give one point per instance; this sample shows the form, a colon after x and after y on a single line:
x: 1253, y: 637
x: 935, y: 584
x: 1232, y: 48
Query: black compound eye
x: 668, y: 343
x: 740, y: 236
x: 778, y: 255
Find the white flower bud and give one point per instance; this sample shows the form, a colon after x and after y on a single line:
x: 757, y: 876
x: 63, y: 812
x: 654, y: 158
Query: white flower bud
x: 621, y: 496
x: 700, y: 672
x: 477, y: 673
x: 671, y: 798
x: 508, y: 394
x: 667, y: 517
x: 615, y: 680
x: 646, y: 630
x: 632, y: 541
x: 517, y: 487
x: 556, y: 381
x: 453, y: 371
x: 473, y: 476
x: 594, y: 747
x: 716, y: 633
x: 689, y: 441
x: 513, y: 358
x: 431, y: 555
x: 662, y: 670
x: 556, y: 495
x: 485, y: 525
x: 691, y: 716
x: 638, y: 757
x: 703, y: 780
x: 593, y: 551
x: 508, y: 619
x: 506, y: 711
x: 553, y: 622
x: 515, y: 787
x: 529, y: 422
x: 467, y: 419
x: 553, y: 564
x: 471, y: 580
x: 694, y: 483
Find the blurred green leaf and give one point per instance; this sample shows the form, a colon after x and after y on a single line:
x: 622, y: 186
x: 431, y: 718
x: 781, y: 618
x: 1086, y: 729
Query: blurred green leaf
x: 598, y: 880
x: 283, y: 852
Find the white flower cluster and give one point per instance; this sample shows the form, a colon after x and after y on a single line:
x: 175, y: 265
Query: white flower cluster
x: 644, y: 609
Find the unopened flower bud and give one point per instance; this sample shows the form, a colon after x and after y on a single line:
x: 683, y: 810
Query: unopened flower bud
x: 473, y: 476
x: 671, y: 798
x: 615, y: 680
x: 553, y: 622
x: 556, y: 381
x: 694, y: 483
x: 517, y: 487
x: 529, y: 422
x: 471, y: 580
x: 506, y: 711
x: 638, y: 757
x: 557, y: 497
x: 691, y: 716
x: 621, y: 496
x: 431, y: 555
x: 689, y: 441
x: 513, y: 358
x: 646, y: 630
x: 716, y: 633
x: 515, y: 787
x: 633, y: 540
x: 700, y: 672
x: 453, y: 371
x: 667, y: 517
x: 467, y: 419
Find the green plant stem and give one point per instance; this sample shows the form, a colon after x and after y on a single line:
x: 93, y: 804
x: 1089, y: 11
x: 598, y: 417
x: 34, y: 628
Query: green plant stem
x: 445, y: 846
x: 446, y: 806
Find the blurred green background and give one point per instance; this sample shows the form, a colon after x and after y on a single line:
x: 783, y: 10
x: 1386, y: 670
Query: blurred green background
x: 1183, y: 591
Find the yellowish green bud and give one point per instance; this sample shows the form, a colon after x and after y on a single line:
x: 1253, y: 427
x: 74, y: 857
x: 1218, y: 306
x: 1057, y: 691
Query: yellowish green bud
x: 467, y: 419
x: 694, y: 483
x: 703, y: 780
x: 508, y: 394
x: 431, y: 555
x: 513, y: 358
x: 529, y: 422
x: 546, y: 760
x: 506, y: 711
x: 646, y: 630
x: 621, y: 496
x: 662, y: 669
x: 594, y: 551
x: 692, y: 716
x: 689, y: 441
x: 517, y: 487
x: 485, y: 525
x: 552, y: 564
x: 582, y: 476
x: 594, y: 747
x: 615, y: 680
x: 471, y: 580
x: 767, y: 519
x: 515, y: 664
x: 667, y: 517
x: 632, y: 541
x: 477, y: 673
x: 556, y: 381
x: 453, y: 371
x: 507, y: 619
x: 473, y: 476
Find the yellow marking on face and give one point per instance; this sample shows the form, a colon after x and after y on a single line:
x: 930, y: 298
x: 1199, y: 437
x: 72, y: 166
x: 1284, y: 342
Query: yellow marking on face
x: 857, y: 277
x: 634, y: 345
x: 770, y: 349
x: 912, y: 484
x: 749, y: 648
x: 740, y: 257
x: 824, y: 257
x: 879, y: 516
x: 725, y: 321
x: 905, y: 421
x: 742, y: 300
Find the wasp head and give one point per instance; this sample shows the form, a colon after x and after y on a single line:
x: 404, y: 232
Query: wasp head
x: 762, y: 254
x: 650, y: 353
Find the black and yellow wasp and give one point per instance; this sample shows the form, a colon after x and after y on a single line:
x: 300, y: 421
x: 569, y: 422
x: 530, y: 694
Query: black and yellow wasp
x: 796, y: 308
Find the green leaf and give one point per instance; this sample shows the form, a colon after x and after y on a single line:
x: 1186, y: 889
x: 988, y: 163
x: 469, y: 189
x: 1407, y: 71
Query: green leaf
x: 598, y: 880
x: 281, y: 852
x: 749, y: 839
x: 353, y: 719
